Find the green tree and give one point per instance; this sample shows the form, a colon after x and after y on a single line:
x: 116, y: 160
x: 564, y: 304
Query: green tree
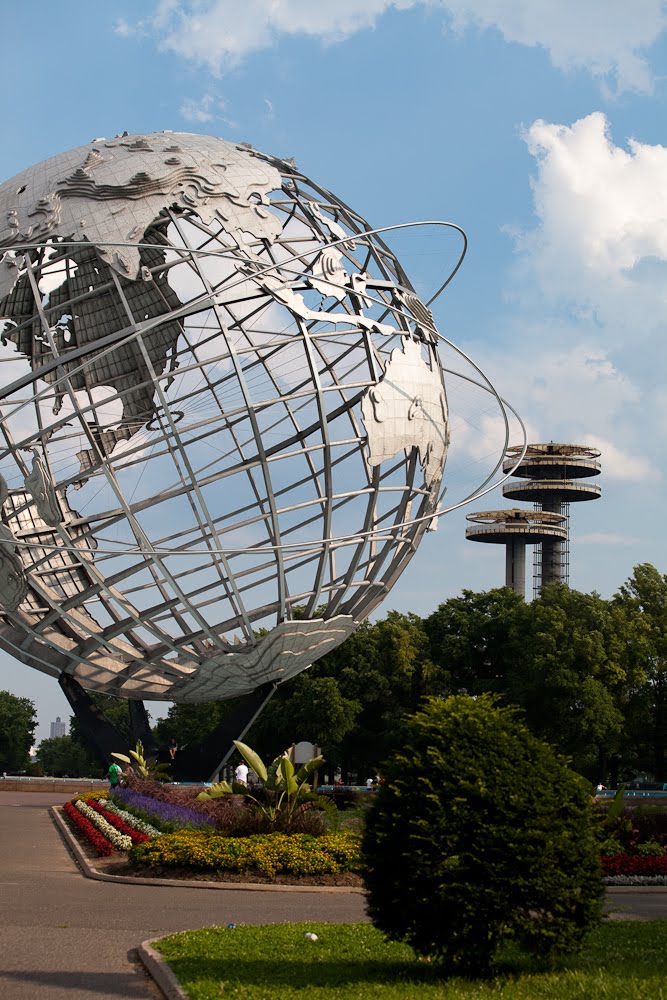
x: 352, y: 700
x: 571, y: 664
x: 189, y: 724
x: 644, y: 599
x: 471, y: 639
x: 480, y: 834
x: 311, y: 708
x: 62, y: 756
x: 18, y: 720
x: 389, y: 673
x: 568, y: 659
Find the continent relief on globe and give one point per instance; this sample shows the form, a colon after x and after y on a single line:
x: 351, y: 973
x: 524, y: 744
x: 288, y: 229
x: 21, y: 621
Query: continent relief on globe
x: 408, y: 409
x: 108, y: 197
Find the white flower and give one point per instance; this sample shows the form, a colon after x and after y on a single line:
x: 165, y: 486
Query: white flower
x: 118, y: 840
x: 137, y: 824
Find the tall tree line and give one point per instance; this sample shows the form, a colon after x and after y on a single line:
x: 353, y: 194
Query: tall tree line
x: 590, y: 675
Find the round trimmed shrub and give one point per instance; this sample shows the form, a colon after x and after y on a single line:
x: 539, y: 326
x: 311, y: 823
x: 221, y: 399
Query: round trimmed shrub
x: 480, y: 833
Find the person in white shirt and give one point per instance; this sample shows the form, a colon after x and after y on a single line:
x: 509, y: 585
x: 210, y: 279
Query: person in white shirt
x: 241, y: 774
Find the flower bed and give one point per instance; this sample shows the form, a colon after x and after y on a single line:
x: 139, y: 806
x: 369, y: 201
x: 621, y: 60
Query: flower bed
x: 118, y: 823
x: 134, y: 821
x: 120, y: 841
x: 270, y: 854
x: 169, y: 816
x: 90, y: 796
x: 634, y: 864
x: 185, y: 796
x: 83, y: 825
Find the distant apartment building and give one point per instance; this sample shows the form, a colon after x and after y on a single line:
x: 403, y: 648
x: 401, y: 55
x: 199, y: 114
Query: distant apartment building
x: 58, y: 728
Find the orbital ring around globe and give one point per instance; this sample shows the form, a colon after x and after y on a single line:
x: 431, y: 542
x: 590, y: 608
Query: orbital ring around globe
x: 236, y: 414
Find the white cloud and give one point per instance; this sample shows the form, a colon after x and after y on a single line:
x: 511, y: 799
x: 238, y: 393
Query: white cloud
x: 565, y: 386
x: 590, y: 286
x: 208, y: 108
x: 601, y: 243
x: 122, y: 28
x: 566, y: 389
x: 221, y: 33
x: 197, y: 111
x: 604, y: 37
x: 621, y: 464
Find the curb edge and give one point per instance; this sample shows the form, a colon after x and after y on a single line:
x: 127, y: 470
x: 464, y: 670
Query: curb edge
x: 159, y: 970
x: 90, y: 872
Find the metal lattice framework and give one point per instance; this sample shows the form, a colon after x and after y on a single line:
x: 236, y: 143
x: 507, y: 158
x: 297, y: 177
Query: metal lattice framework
x: 224, y: 429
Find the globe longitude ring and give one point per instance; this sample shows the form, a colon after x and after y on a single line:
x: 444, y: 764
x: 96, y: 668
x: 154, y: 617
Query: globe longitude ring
x: 224, y: 417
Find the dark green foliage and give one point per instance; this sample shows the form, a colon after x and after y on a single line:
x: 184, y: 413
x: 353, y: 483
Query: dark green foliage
x: 190, y: 724
x: 590, y: 675
x: 480, y: 833
x: 644, y: 599
x: 566, y: 658
x: 18, y: 720
x: 351, y: 702
x: 471, y: 639
x: 63, y: 756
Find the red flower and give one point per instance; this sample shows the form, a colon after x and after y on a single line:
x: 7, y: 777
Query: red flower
x: 634, y: 864
x: 99, y: 843
x: 119, y: 824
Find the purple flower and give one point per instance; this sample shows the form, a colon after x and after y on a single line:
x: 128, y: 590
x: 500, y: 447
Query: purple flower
x: 165, y: 812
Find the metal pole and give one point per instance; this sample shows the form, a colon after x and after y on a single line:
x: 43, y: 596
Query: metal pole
x: 216, y: 774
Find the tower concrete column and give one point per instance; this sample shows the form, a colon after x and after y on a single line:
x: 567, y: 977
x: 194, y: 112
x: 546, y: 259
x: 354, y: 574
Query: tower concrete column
x: 515, y: 566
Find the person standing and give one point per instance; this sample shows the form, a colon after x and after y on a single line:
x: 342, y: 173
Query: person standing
x: 114, y: 775
x: 241, y: 774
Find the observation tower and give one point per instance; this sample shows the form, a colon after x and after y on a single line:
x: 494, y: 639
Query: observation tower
x: 551, y: 479
x: 515, y: 529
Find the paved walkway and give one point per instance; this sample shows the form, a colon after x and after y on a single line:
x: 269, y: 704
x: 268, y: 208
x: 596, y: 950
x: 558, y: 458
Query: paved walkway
x: 63, y: 936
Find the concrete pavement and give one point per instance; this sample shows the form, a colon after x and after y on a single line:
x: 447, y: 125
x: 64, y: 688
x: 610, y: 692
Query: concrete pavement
x: 68, y: 936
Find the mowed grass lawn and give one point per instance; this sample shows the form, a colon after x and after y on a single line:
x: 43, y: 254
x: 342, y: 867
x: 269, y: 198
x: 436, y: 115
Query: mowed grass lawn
x: 621, y: 961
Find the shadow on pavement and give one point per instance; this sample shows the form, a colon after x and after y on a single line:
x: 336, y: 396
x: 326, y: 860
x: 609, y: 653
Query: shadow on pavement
x: 128, y: 984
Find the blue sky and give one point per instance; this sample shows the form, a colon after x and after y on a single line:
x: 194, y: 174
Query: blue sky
x: 538, y: 127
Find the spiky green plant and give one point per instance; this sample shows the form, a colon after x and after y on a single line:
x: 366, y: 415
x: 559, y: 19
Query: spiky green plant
x: 143, y: 767
x: 286, y: 792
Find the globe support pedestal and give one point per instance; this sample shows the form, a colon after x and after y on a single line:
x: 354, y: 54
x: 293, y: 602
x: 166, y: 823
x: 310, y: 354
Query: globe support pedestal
x: 101, y: 737
x: 203, y: 761
x: 141, y: 728
x: 193, y: 763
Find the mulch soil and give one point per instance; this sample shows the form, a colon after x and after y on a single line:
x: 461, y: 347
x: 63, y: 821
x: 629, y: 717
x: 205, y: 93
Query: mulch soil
x: 119, y: 866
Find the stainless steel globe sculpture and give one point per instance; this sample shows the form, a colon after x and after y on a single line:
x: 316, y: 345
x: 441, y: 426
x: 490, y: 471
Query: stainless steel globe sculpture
x: 224, y: 421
